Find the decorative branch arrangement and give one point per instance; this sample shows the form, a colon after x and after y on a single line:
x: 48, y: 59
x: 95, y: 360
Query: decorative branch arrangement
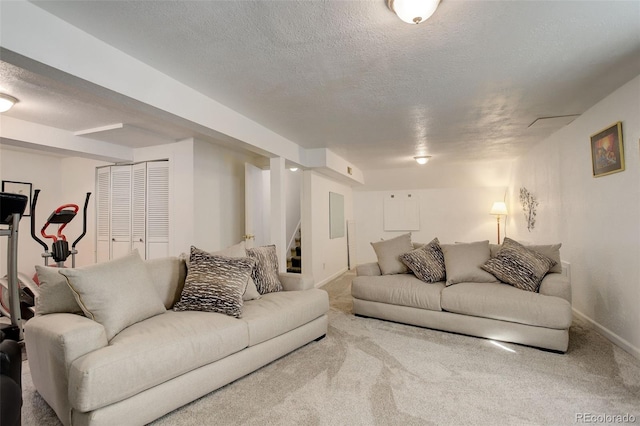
x: 529, y: 204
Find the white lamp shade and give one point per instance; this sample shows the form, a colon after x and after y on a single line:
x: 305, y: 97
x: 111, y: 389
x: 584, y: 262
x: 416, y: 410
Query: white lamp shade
x: 413, y: 11
x: 6, y: 102
x: 499, y: 208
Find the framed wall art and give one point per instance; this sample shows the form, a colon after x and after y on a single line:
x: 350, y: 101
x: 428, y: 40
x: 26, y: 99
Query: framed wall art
x: 607, y: 151
x: 23, y: 188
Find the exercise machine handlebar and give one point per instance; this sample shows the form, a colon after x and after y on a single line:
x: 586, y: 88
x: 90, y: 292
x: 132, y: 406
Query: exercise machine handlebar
x: 84, y: 221
x: 33, y: 221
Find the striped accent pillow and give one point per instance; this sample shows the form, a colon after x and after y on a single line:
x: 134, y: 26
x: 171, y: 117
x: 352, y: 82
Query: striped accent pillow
x: 215, y: 283
x: 265, y: 274
x: 426, y: 262
x: 518, y: 266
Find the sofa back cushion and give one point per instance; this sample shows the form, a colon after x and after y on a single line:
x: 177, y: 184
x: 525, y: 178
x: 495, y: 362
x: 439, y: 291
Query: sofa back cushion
x: 116, y: 294
x: 463, y: 262
x: 389, y: 252
x: 54, y: 294
x: 167, y: 275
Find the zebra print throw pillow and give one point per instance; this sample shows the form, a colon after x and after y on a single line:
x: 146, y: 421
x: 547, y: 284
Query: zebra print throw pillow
x: 518, y: 266
x: 426, y: 262
x: 214, y: 283
x: 265, y: 274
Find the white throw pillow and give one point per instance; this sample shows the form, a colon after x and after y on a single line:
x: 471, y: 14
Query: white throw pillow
x: 117, y: 293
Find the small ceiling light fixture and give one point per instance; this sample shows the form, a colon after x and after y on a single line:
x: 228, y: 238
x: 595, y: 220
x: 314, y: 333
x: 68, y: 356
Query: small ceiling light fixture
x: 293, y: 169
x: 422, y: 159
x: 6, y: 102
x: 413, y: 11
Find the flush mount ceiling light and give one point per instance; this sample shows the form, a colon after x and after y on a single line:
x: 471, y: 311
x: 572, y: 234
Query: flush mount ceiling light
x: 413, y: 11
x: 293, y: 169
x: 6, y: 102
x: 422, y: 159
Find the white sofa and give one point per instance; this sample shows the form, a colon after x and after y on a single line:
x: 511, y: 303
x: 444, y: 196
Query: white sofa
x: 163, y: 362
x: 492, y: 310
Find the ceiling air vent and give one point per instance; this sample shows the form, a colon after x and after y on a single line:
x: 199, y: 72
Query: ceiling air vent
x: 554, y: 122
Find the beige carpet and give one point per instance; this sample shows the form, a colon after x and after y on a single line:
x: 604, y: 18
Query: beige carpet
x: 368, y: 372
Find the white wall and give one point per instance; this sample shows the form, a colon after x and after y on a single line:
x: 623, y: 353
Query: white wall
x: 596, y: 219
x: 454, y: 201
x: 61, y: 181
x: 322, y: 257
x: 219, y: 196
x: 451, y: 214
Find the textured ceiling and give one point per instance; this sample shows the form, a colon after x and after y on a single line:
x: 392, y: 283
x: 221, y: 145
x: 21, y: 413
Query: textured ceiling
x: 350, y: 76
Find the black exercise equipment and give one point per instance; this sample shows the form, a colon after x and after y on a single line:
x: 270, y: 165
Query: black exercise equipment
x: 12, y: 208
x: 61, y: 217
x: 10, y: 381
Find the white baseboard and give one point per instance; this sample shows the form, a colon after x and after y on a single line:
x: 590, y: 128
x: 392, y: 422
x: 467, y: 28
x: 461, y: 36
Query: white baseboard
x: 609, y: 334
x: 332, y: 277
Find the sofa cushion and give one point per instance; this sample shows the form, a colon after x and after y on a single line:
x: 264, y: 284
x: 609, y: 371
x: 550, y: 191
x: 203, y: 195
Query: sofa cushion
x: 426, y: 262
x: 503, y: 302
x: 277, y: 313
x: 389, y: 252
x: 265, y: 274
x: 403, y: 290
x: 552, y: 251
x: 518, y: 266
x: 54, y: 294
x: 151, y: 352
x: 463, y: 262
x: 116, y: 293
x: 167, y: 275
x: 215, y: 283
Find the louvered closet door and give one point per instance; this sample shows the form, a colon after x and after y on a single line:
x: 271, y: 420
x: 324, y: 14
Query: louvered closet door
x: 138, y: 208
x: 120, y: 211
x: 103, y: 197
x: 157, y: 209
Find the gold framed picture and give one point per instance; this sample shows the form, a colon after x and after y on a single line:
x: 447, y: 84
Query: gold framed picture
x: 607, y: 151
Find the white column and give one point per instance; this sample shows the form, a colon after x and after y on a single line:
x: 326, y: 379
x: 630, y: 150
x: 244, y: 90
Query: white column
x: 278, y: 210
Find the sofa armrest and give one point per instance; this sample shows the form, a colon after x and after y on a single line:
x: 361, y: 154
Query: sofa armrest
x: 368, y: 269
x: 295, y: 282
x: 555, y: 284
x: 53, y: 342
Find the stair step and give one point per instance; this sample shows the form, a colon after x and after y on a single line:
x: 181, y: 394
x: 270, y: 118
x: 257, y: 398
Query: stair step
x: 294, y: 270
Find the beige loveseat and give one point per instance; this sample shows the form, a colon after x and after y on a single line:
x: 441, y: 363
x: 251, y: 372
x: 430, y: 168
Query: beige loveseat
x: 492, y: 310
x: 167, y: 360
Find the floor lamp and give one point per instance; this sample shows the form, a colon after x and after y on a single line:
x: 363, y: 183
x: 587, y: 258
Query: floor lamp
x: 498, y: 209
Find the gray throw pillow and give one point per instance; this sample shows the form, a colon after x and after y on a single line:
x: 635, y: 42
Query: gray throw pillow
x: 265, y: 274
x: 239, y: 250
x: 214, y: 283
x: 117, y: 293
x: 389, y: 252
x: 426, y: 262
x: 463, y: 262
x: 518, y: 266
x: 54, y: 294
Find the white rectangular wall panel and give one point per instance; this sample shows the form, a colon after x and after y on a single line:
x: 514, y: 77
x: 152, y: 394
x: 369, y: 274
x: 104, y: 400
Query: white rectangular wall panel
x: 401, y: 212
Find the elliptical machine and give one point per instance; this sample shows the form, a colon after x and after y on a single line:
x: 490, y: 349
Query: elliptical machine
x: 12, y: 208
x: 60, y: 216
x: 26, y: 286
